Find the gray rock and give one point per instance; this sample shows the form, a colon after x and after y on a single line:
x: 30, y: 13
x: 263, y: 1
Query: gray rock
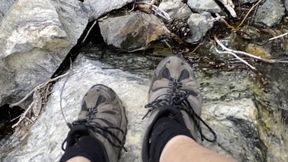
x: 133, y: 31
x: 247, y: 1
x: 73, y: 17
x: 4, y: 7
x: 176, y: 9
x: 98, y: 8
x: 204, y: 5
x: 52, y: 132
x: 199, y: 25
x: 35, y: 37
x: 228, y: 107
x: 270, y: 13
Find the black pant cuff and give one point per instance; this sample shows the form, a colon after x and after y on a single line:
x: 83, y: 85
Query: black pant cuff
x: 88, y: 147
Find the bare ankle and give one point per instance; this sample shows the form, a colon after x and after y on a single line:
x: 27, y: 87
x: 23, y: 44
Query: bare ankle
x: 183, y: 148
x: 175, y: 145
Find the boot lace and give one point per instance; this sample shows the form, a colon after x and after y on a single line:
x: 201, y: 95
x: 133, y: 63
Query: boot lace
x: 178, y: 98
x: 95, y: 127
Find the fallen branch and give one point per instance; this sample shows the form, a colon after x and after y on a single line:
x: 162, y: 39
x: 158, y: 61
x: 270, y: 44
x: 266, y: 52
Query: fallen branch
x: 248, y: 54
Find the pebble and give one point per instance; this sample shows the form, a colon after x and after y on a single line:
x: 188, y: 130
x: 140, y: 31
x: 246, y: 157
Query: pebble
x: 204, y: 5
x: 199, y: 25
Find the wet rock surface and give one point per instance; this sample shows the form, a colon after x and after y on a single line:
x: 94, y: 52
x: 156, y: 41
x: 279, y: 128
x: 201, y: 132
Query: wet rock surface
x: 270, y: 13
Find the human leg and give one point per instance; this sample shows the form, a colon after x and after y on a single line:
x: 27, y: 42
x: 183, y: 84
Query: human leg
x: 99, y: 133
x: 183, y: 148
x: 175, y: 108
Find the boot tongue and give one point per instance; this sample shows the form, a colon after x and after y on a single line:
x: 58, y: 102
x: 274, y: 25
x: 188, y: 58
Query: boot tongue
x: 173, y: 113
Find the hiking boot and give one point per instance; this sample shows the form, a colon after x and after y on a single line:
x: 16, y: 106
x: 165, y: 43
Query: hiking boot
x: 174, y: 90
x: 103, y: 117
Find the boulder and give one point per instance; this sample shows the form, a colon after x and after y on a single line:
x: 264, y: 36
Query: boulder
x: 199, y: 25
x: 228, y: 108
x: 98, y: 8
x: 204, y: 5
x: 270, y: 13
x: 4, y: 7
x: 35, y: 37
x: 51, y: 130
x: 176, y: 9
x: 133, y: 31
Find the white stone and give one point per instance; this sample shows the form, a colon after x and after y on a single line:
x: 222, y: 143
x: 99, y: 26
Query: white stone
x: 204, y: 5
x: 176, y: 9
x: 199, y: 25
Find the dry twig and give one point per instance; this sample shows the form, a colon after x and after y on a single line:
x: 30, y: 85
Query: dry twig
x: 37, y: 98
x: 248, y: 13
x: 23, y: 116
x: 149, y: 7
x: 38, y: 87
x: 218, y: 17
x: 236, y: 56
x: 248, y: 54
x: 229, y: 5
x: 88, y: 33
x: 197, y: 47
x: 277, y: 37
